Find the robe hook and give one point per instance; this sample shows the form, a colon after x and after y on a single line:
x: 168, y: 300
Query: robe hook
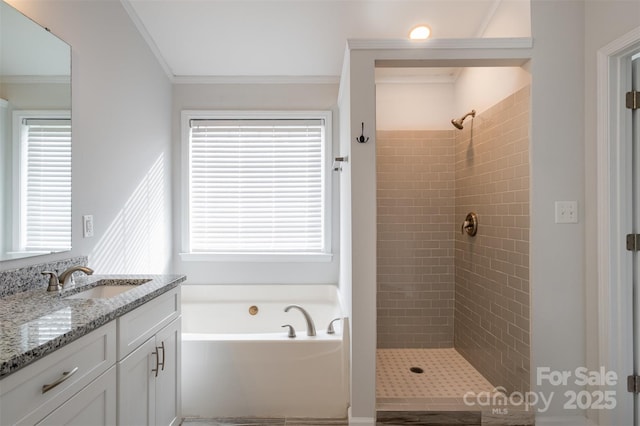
x: 361, y: 138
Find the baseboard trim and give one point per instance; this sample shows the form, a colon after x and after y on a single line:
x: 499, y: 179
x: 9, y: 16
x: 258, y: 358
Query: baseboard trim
x: 361, y: 421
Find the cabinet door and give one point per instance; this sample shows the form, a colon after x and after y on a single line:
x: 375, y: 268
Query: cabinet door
x: 95, y: 405
x: 136, y: 386
x: 168, y: 381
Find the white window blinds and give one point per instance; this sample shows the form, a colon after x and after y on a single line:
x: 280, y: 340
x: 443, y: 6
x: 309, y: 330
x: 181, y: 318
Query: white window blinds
x: 256, y: 186
x: 46, y: 184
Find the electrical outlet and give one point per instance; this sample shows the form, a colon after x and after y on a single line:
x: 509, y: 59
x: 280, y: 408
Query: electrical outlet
x: 87, y: 226
x: 566, y: 212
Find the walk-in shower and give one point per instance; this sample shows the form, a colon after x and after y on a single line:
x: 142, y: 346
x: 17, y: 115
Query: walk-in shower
x: 453, y: 308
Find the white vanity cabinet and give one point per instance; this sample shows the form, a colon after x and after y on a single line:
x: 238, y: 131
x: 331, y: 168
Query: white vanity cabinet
x: 73, y: 385
x: 126, y: 372
x: 148, y: 363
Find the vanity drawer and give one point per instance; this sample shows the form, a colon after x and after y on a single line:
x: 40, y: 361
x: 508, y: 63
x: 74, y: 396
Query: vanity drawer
x: 23, y: 398
x: 135, y: 327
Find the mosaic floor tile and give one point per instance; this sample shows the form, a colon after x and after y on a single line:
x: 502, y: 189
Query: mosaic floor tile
x: 442, y: 374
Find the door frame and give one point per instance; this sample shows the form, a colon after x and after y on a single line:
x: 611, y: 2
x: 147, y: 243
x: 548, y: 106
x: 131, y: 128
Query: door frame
x: 615, y: 309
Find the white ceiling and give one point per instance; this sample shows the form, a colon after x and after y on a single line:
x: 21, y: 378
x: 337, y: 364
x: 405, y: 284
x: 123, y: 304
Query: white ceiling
x: 257, y: 38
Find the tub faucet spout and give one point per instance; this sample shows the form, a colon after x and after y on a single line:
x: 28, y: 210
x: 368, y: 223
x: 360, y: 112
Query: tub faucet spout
x: 311, y: 328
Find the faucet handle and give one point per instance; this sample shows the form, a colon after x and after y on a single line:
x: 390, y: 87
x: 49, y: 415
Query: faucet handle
x: 292, y: 331
x: 54, y: 284
x: 330, y: 329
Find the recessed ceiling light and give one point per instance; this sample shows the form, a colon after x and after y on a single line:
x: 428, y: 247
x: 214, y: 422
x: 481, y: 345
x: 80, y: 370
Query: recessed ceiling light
x: 420, y: 32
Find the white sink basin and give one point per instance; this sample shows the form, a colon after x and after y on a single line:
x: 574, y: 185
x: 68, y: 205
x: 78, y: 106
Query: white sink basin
x: 102, y: 292
x: 108, y: 288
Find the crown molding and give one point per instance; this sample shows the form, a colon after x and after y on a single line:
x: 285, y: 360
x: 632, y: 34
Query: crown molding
x: 488, y: 18
x: 419, y: 79
x: 257, y: 79
x: 128, y: 7
x: 442, y: 43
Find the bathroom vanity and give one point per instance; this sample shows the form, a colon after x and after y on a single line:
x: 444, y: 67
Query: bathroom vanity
x: 87, y: 356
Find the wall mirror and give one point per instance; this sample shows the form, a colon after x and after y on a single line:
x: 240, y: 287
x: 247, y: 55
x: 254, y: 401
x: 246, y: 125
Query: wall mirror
x: 35, y: 138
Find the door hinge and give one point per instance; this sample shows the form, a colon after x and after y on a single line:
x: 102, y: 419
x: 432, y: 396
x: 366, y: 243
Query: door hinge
x: 633, y: 384
x: 633, y: 99
x: 633, y: 242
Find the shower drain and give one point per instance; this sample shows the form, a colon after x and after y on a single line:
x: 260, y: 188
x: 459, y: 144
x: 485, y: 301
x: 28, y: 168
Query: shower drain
x: 416, y: 370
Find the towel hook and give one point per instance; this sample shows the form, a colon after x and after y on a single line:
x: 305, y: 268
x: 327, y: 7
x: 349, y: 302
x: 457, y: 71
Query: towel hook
x: 361, y: 138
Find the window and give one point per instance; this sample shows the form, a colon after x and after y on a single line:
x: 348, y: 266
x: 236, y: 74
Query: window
x: 44, y: 176
x: 257, y: 183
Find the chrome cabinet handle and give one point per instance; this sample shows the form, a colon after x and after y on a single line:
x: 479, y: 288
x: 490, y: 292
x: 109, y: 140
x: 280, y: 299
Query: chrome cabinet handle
x: 155, y: 370
x: 163, y: 351
x: 65, y: 376
x: 158, y: 362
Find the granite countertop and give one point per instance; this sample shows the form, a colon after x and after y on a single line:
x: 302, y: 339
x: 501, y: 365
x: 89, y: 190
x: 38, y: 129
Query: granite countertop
x: 35, y: 323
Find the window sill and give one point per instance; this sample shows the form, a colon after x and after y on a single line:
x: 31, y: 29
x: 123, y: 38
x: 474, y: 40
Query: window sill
x: 257, y: 257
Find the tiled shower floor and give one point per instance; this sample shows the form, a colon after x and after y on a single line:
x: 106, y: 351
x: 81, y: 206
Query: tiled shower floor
x: 446, y: 378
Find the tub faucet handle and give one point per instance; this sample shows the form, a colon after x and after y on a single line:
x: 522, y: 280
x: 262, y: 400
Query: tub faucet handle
x: 292, y: 331
x: 330, y: 329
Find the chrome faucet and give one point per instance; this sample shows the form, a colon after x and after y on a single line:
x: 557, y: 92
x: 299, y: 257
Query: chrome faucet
x: 56, y: 283
x: 311, y: 328
x: 330, y: 329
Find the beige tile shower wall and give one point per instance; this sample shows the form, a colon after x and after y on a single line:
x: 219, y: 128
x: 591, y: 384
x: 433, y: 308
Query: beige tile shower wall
x: 492, y: 268
x: 415, y: 294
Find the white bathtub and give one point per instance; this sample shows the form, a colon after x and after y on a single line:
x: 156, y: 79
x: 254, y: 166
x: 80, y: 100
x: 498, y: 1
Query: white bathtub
x: 235, y: 364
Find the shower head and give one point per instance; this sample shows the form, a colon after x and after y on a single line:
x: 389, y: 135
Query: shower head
x: 458, y: 123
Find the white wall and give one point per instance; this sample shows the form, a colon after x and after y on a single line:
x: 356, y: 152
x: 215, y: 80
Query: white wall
x: 481, y: 88
x: 253, y: 97
x: 412, y: 106
x: 557, y: 173
x: 121, y: 103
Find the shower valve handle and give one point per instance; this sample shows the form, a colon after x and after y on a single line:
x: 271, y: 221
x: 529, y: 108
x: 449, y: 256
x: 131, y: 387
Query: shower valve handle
x: 470, y: 224
x: 465, y: 225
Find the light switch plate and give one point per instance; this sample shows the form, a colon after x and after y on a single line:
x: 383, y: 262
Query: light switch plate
x: 566, y: 212
x: 87, y: 226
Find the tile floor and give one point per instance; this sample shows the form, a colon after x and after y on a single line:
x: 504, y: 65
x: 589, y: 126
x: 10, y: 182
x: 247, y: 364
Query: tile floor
x: 435, y: 396
x: 446, y: 377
